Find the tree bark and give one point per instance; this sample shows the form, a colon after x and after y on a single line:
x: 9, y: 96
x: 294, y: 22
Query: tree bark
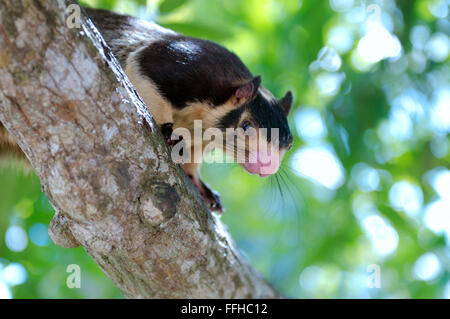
x: 104, y: 165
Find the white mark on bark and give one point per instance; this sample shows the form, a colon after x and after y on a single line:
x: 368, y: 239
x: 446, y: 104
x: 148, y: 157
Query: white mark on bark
x: 64, y: 132
x: 62, y: 76
x: 57, y: 180
x: 54, y: 145
x: 85, y: 66
x: 109, y: 132
x: 8, y: 83
x: 21, y: 29
x: 151, y: 214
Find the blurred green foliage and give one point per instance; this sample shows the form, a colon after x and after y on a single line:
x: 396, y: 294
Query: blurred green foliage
x: 366, y: 187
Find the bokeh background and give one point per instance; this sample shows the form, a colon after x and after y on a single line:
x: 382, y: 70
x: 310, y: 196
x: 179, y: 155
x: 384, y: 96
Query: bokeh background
x: 366, y: 187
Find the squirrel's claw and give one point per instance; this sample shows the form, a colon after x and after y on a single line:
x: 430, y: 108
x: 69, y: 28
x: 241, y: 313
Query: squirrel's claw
x: 212, y: 198
x: 166, y: 130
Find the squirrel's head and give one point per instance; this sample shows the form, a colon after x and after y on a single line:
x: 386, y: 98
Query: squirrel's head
x: 260, y: 128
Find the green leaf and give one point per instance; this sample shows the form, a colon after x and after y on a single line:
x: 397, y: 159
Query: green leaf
x: 199, y: 30
x: 168, y: 6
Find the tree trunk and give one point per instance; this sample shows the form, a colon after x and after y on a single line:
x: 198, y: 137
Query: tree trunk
x: 104, y: 166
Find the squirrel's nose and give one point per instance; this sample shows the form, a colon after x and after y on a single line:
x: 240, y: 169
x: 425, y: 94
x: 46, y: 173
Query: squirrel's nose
x: 269, y: 166
x: 264, y: 164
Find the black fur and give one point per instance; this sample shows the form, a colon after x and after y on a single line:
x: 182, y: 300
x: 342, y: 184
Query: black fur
x: 265, y: 114
x: 269, y: 114
x: 114, y: 26
x: 188, y: 70
x: 231, y: 119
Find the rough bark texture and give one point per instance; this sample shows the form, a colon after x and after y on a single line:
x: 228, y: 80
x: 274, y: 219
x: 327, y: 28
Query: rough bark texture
x: 103, y: 165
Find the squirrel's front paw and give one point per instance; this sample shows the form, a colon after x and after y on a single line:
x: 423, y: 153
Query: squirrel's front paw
x: 212, y: 198
x: 167, y: 130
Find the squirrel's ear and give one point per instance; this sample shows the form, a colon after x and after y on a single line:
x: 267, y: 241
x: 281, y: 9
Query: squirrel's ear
x: 247, y: 91
x: 286, y: 102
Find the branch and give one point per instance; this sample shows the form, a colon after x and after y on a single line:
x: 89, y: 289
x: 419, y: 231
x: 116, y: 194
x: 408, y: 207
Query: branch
x: 105, y: 167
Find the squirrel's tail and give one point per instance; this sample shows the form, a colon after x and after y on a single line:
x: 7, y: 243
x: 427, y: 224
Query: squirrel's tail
x: 11, y: 156
x: 8, y: 146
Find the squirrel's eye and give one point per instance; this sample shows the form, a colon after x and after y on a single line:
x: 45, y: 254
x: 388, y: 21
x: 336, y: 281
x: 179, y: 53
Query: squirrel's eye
x: 246, y: 125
